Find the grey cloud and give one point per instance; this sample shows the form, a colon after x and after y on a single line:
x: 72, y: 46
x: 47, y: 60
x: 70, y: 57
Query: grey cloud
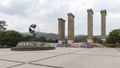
x: 46, y: 12
x: 111, y: 5
x: 16, y: 8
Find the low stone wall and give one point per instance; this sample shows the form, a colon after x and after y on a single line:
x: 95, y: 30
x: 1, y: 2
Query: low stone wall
x: 78, y: 45
x: 36, y: 44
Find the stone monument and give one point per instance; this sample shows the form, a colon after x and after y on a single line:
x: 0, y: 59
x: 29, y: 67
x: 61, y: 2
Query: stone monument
x: 90, y: 25
x: 103, y: 25
x: 70, y: 28
x: 61, y: 31
x: 32, y: 29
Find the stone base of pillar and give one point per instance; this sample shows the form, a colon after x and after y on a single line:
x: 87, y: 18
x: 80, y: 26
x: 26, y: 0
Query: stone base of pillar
x: 90, y: 40
x: 103, y: 40
x: 61, y: 42
x: 70, y: 41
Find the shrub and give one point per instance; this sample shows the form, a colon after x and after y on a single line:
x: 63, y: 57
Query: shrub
x: 110, y: 45
x: 31, y: 48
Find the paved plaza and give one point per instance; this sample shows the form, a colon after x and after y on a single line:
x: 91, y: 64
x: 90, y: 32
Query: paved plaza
x: 61, y: 58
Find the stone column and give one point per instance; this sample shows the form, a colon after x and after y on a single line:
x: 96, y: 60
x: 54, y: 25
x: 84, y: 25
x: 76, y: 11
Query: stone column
x: 70, y: 28
x: 61, y: 31
x: 103, y: 25
x: 90, y: 24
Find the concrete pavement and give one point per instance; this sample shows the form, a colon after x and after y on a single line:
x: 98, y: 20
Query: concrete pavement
x: 61, y: 58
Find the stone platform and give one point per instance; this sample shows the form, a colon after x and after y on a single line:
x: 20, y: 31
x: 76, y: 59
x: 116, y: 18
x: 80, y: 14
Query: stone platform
x: 61, y: 58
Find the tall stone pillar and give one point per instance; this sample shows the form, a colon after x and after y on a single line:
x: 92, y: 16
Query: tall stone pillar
x: 70, y: 28
x: 61, y: 31
x: 90, y: 25
x: 103, y: 25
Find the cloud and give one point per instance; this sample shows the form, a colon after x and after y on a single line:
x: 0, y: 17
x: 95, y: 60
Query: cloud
x: 16, y: 7
x: 20, y: 14
x: 111, y: 6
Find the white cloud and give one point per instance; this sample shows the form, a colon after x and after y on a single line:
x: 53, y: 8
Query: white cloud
x: 20, y: 14
x: 4, y: 2
x: 113, y: 21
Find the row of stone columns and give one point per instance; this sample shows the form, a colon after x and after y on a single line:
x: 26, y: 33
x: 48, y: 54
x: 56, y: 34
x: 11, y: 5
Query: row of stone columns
x: 61, y: 27
x: 90, y: 24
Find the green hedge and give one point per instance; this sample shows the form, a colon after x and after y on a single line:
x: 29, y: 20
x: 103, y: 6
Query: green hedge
x: 31, y: 48
x: 110, y: 45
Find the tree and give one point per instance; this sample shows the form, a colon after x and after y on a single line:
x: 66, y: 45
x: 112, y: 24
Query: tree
x: 42, y: 39
x: 97, y: 40
x: 2, y: 25
x: 114, y: 37
x: 13, y: 37
x: 2, y: 37
x: 50, y: 40
x: 10, y: 38
x: 27, y: 38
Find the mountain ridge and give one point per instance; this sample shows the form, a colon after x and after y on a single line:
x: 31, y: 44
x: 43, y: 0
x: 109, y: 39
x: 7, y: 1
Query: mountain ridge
x: 55, y: 36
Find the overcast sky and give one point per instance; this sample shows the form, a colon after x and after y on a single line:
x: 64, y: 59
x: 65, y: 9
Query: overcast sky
x: 19, y: 14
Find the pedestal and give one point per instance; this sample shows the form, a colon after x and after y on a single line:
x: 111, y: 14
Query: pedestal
x: 70, y: 41
x: 103, y: 40
x: 61, y: 42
